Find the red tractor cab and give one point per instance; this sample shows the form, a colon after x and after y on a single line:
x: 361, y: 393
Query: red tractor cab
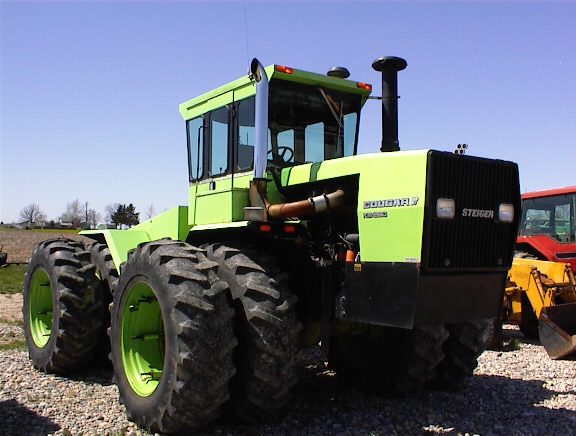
x: 547, y: 226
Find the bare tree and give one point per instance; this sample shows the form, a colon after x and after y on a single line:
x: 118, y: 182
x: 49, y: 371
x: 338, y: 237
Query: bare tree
x: 73, y: 212
x: 93, y: 218
x: 109, y: 211
x: 31, y: 213
x: 150, y: 212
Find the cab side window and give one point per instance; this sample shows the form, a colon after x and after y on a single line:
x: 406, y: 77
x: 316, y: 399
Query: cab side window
x: 219, y: 142
x: 246, y: 134
x: 195, y: 129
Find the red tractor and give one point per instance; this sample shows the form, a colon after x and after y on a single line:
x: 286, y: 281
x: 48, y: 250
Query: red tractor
x: 547, y: 226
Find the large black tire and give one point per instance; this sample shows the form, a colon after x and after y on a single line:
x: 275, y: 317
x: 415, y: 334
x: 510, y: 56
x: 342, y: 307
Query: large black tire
x: 494, y: 335
x: 172, y: 337
x: 107, y: 276
x: 105, y: 267
x: 387, y: 360
x: 62, y: 310
x: 466, y: 342
x: 267, y: 329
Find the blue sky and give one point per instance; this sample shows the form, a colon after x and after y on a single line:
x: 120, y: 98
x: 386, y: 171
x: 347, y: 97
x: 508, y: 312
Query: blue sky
x: 90, y: 90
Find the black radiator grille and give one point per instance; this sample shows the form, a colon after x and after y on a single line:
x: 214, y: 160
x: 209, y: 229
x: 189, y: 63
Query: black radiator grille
x: 467, y: 242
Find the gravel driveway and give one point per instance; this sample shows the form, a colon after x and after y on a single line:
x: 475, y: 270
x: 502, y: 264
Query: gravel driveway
x: 513, y: 392
x: 519, y: 392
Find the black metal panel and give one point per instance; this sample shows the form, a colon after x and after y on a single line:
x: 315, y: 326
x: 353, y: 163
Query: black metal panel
x: 379, y: 293
x: 398, y: 295
x: 465, y: 242
x: 454, y: 298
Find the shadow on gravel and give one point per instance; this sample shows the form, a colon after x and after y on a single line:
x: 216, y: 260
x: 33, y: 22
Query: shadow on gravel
x: 17, y: 419
x: 486, y: 405
x: 93, y: 374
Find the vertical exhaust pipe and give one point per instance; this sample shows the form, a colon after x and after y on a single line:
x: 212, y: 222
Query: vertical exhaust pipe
x: 260, y: 118
x: 389, y: 67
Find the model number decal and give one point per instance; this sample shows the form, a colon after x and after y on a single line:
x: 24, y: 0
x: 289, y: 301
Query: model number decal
x: 392, y: 202
x: 478, y: 213
x: 375, y: 214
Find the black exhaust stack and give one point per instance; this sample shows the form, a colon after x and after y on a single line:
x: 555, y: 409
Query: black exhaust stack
x: 389, y: 67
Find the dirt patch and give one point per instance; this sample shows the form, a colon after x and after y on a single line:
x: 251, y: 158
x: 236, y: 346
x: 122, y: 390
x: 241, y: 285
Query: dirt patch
x: 19, y: 244
x: 10, y: 308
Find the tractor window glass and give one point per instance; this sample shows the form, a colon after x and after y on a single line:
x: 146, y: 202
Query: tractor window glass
x: 350, y: 121
x: 195, y: 147
x: 246, y: 136
x: 323, y: 121
x: 552, y: 216
x: 286, y: 145
x: 314, y: 140
x: 562, y: 222
x: 219, y: 141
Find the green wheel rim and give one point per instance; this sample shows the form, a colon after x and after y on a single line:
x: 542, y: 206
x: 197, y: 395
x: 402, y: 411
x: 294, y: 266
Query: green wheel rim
x: 40, y: 308
x: 142, y: 339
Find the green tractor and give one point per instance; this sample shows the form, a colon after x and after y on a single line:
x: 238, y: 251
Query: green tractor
x: 392, y: 261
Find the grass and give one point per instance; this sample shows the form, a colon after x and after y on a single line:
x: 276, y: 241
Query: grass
x: 72, y: 231
x: 12, y: 279
x: 16, y: 344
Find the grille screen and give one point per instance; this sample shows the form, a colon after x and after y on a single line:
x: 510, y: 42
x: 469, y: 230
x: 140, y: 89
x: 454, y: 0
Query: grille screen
x: 469, y: 242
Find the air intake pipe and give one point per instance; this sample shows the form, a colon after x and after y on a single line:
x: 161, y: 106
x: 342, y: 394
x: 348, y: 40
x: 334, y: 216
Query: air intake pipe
x: 389, y: 67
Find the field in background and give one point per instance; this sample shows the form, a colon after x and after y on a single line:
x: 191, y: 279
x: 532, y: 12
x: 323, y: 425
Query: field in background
x: 12, y: 278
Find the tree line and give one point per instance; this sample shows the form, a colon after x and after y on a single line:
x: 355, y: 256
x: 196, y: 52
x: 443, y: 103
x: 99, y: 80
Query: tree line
x: 77, y: 214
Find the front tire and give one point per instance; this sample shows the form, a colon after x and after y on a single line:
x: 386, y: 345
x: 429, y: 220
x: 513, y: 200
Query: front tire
x: 62, y: 310
x: 171, y: 337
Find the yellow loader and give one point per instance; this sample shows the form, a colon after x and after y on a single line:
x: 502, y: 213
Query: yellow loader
x: 540, y: 297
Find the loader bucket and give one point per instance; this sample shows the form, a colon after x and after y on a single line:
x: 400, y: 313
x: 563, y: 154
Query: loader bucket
x: 557, y: 328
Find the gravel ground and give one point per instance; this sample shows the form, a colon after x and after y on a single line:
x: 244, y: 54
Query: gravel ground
x: 514, y: 392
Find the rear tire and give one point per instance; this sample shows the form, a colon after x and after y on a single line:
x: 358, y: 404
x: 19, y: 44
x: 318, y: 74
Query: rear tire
x: 172, y: 337
x: 388, y: 360
x: 267, y: 330
x: 62, y: 309
x: 466, y: 342
x: 494, y: 335
x: 107, y: 277
x: 105, y: 267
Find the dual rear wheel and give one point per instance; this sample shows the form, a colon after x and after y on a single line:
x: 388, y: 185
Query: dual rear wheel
x: 194, y: 331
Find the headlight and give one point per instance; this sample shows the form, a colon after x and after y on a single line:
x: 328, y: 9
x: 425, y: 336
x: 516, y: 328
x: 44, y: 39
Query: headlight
x: 506, y: 212
x: 445, y: 208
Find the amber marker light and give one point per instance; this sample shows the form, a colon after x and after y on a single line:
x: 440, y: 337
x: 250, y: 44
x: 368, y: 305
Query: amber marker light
x: 365, y: 86
x: 283, y: 69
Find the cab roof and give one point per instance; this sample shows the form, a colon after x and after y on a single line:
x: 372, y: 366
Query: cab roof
x: 245, y: 87
x: 549, y: 192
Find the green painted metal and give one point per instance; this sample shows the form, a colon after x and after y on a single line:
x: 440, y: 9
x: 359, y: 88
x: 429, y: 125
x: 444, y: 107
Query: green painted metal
x: 244, y: 87
x: 388, y: 233
x: 171, y: 224
x: 391, y: 233
x: 142, y: 341
x: 40, y: 308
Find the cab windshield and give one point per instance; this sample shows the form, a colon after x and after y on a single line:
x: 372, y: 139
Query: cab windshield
x: 310, y: 123
x: 552, y: 216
